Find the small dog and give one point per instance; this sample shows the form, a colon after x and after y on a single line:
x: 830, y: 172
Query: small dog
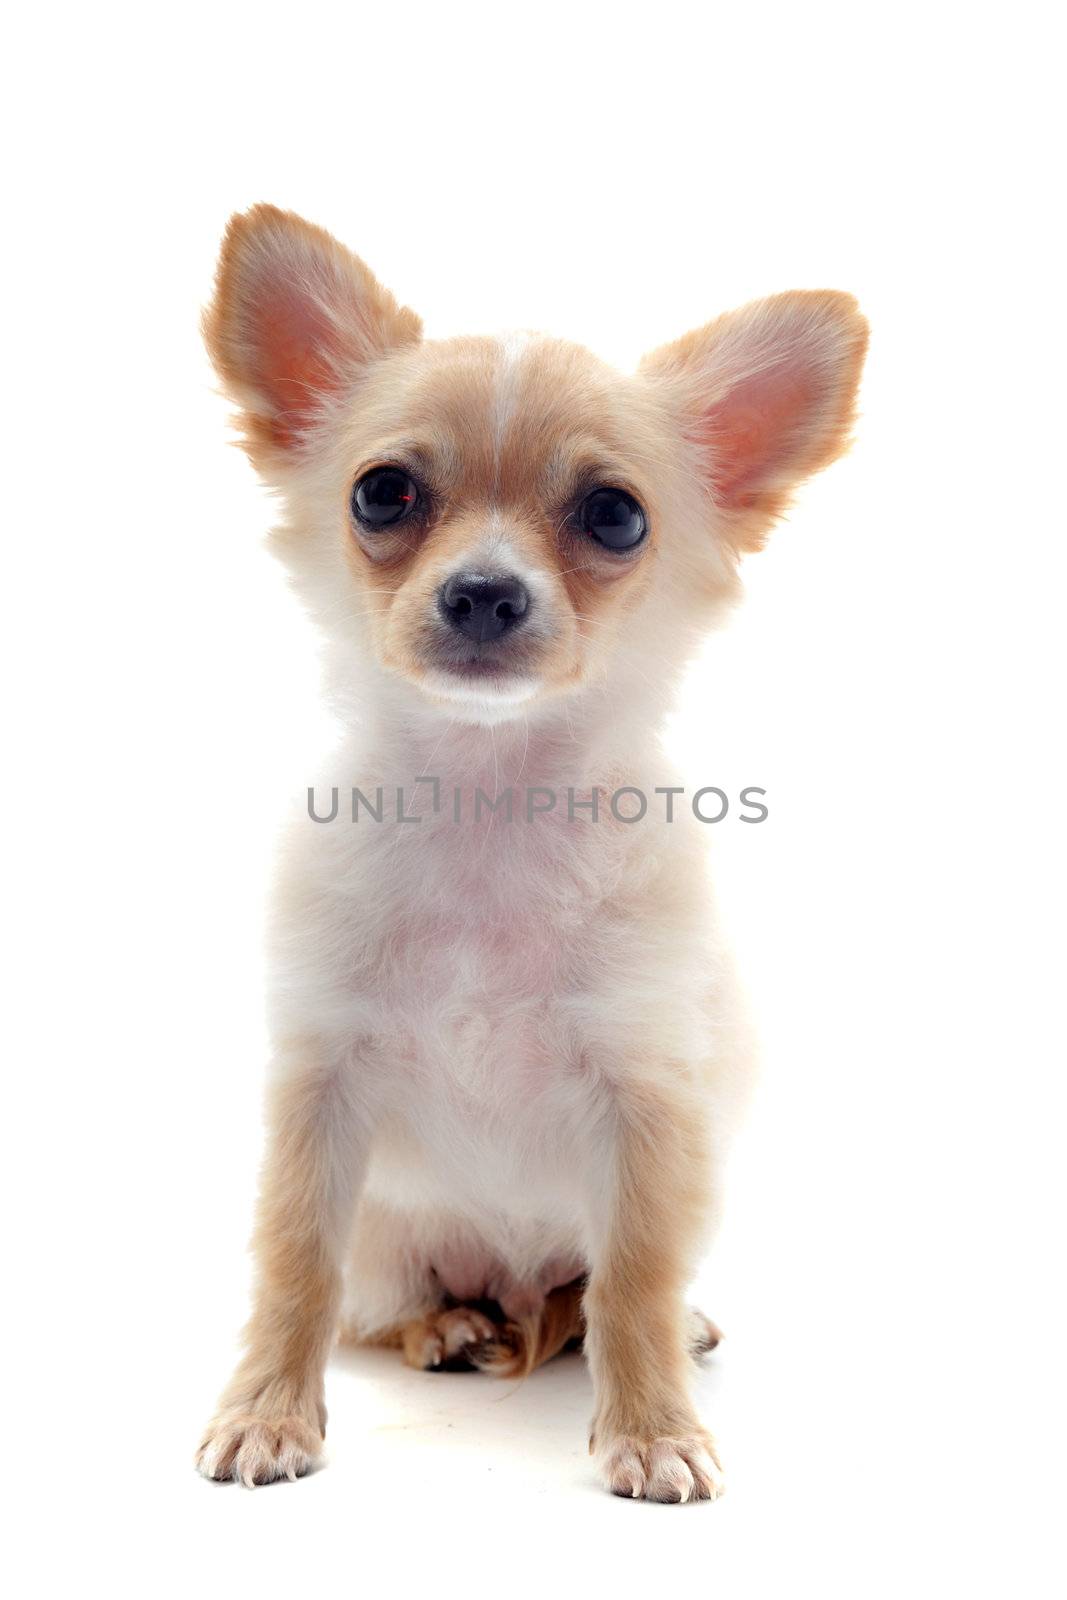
x: 508, y: 1052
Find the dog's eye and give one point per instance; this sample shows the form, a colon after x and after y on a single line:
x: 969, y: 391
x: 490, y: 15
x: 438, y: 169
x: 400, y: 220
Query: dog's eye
x: 382, y: 497
x: 613, y: 518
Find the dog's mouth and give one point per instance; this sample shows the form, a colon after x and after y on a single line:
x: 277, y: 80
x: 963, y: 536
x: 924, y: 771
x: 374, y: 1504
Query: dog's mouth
x: 477, y: 669
x: 483, y: 672
x: 487, y: 662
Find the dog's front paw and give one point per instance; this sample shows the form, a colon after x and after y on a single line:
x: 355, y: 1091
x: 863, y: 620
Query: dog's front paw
x: 252, y: 1448
x: 672, y: 1469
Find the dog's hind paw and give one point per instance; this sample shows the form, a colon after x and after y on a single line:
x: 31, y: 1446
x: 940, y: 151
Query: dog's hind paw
x: 446, y: 1337
x: 703, y: 1335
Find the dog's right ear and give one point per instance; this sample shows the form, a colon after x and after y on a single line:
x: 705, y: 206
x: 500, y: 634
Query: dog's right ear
x: 295, y: 319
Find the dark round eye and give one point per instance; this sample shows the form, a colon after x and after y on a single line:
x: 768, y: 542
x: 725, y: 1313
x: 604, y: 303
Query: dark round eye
x: 382, y: 497
x: 613, y: 518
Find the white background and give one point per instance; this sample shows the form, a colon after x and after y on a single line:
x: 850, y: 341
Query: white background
x: 888, y: 1398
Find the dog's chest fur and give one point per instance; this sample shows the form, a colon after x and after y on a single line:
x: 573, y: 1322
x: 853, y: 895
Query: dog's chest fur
x: 476, y: 968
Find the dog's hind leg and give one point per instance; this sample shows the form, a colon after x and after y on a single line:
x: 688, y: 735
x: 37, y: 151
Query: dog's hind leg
x: 389, y: 1281
x: 525, y: 1343
x: 481, y: 1337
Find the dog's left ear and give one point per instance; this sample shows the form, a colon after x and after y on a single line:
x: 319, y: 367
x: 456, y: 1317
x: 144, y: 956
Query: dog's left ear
x: 768, y: 394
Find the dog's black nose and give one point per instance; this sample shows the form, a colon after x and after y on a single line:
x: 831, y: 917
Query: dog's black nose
x: 481, y: 607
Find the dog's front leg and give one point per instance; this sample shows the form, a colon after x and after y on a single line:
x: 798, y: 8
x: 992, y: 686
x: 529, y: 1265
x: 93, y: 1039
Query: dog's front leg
x: 272, y: 1417
x: 648, y: 1209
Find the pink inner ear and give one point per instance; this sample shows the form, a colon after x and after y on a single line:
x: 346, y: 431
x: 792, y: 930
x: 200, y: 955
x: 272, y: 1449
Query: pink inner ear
x: 757, y: 427
x: 294, y: 363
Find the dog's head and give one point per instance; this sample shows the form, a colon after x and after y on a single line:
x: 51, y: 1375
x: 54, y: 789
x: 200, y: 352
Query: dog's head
x: 504, y: 522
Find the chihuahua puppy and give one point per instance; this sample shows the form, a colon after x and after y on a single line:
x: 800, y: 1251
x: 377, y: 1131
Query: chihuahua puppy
x: 507, y: 1048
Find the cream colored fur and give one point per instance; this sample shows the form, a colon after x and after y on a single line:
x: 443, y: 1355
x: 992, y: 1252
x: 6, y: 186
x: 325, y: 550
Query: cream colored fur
x: 507, y: 1055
